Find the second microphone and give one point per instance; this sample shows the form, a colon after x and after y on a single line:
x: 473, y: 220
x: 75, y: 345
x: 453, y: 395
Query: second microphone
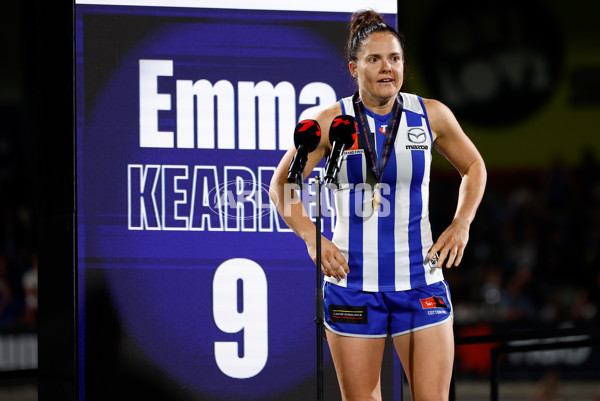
x: 341, y: 136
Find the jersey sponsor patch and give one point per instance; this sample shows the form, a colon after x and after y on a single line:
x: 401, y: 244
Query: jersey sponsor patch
x: 416, y: 135
x: 433, y: 302
x: 417, y: 147
x: 348, y: 314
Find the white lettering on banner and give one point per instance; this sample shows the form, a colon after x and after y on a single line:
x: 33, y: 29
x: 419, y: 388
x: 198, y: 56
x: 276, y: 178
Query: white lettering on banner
x: 175, y: 197
x: 252, y: 320
x: 266, y: 94
x: 205, y: 94
x: 151, y: 102
x: 239, y: 194
x: 142, y: 183
x: 196, y: 198
x: 269, y: 129
x: 203, y: 215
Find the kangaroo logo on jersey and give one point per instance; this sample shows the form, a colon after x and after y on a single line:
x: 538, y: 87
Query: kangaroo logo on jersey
x: 416, y: 135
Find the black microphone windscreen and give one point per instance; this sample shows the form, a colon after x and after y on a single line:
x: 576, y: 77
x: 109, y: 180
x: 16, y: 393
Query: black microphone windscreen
x: 307, y: 133
x: 342, y: 128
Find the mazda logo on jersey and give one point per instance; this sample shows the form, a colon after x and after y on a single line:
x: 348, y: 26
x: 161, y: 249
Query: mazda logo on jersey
x: 416, y: 135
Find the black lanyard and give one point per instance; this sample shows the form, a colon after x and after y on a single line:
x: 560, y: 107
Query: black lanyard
x: 367, y: 139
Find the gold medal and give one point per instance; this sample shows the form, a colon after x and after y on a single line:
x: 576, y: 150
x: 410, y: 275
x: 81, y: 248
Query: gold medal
x: 376, y: 199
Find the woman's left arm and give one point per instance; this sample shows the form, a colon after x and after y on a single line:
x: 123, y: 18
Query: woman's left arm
x: 451, y: 141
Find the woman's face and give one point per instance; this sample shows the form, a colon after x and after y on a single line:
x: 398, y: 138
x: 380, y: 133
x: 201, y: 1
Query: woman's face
x: 379, y: 68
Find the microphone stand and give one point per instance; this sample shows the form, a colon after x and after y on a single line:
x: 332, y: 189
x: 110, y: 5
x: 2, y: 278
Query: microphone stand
x: 319, y: 320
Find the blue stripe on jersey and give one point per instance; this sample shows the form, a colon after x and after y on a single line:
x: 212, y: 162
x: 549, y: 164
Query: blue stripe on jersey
x: 385, y: 230
x: 412, y: 119
x: 355, y: 236
x: 417, y: 273
x: 426, y: 122
x: 341, y: 102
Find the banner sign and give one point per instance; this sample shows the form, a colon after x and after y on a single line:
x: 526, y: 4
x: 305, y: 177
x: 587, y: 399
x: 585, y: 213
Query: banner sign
x: 183, y: 113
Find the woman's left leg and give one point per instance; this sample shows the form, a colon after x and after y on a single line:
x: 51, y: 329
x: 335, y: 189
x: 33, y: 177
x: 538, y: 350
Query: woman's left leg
x: 427, y: 357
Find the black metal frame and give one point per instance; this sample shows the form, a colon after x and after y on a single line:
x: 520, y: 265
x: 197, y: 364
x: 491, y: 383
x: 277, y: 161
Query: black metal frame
x: 592, y: 339
x: 319, y: 320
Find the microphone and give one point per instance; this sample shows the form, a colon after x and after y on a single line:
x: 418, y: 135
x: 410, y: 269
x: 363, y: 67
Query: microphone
x: 307, y: 136
x: 341, y: 132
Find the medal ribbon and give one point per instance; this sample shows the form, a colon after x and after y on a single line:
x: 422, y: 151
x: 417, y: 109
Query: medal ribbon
x: 367, y: 139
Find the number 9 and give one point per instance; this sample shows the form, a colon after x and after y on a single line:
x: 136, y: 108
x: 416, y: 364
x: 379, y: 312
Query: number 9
x: 252, y: 319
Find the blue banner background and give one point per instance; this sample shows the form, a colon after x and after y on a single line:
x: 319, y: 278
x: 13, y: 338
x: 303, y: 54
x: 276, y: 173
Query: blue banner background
x: 160, y: 282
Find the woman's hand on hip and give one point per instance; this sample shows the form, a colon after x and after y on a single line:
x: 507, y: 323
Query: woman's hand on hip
x: 451, y: 244
x: 333, y: 263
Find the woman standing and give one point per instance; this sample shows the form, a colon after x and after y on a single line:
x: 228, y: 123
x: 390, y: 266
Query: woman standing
x: 383, y: 270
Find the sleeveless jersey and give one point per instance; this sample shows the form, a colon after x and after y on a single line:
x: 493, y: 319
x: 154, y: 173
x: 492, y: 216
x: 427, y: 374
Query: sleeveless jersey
x: 386, y: 249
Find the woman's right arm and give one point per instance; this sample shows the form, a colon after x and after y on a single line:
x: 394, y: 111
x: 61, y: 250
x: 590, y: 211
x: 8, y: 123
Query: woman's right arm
x: 290, y: 207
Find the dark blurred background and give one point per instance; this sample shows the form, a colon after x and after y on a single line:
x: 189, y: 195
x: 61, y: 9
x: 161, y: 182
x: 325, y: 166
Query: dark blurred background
x: 18, y: 264
x: 36, y: 201
x: 523, y: 78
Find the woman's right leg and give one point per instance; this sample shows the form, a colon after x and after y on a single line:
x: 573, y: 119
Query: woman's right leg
x: 357, y: 363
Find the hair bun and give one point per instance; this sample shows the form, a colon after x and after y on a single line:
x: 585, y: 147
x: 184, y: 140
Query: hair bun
x: 362, y: 19
x: 362, y: 24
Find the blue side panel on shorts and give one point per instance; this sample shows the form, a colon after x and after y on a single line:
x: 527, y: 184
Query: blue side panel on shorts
x: 417, y: 273
x: 385, y: 228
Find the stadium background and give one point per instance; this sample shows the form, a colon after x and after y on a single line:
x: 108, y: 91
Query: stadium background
x: 534, y: 252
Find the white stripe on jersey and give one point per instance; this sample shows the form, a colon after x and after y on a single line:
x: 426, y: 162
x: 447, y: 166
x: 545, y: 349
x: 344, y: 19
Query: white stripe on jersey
x: 370, y: 246
x: 404, y: 172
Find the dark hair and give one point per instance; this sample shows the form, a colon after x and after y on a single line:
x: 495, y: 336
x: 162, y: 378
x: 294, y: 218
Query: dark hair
x: 362, y: 24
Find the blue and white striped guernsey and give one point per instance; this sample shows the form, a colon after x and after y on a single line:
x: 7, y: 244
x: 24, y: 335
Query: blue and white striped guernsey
x: 386, y: 249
